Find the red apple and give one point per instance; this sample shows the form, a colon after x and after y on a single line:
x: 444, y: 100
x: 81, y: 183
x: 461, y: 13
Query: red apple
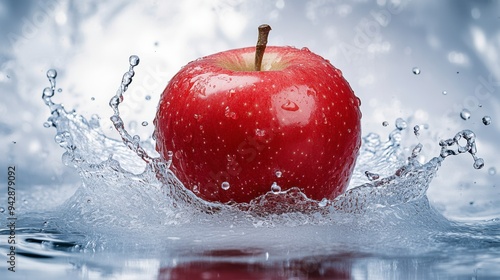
x: 235, y: 131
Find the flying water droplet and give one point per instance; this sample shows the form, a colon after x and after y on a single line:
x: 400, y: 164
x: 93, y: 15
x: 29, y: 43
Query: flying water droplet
x: 47, y: 92
x: 401, y: 124
x: 478, y: 163
x: 225, y: 186
x: 385, y: 123
x: 144, y: 123
x: 133, y: 60
x: 2, y: 209
x: 487, y: 120
x: 51, y: 74
x: 416, y: 70
x: 444, y: 92
x: 416, y: 130
x: 465, y: 114
x: 492, y: 171
x: 416, y: 151
x: 371, y: 176
x: 290, y: 106
x: 148, y: 97
x: 275, y: 188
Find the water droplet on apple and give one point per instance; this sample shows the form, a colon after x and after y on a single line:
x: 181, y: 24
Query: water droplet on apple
x: 170, y: 155
x: 416, y: 70
x: 305, y: 49
x: 465, y: 114
x: 178, y: 154
x: 401, y: 124
x: 196, y: 189
x: 492, y: 171
x: 187, y: 138
x: 229, y: 114
x: 290, y: 106
x: 225, y: 186
x: 275, y: 188
x: 323, y: 202
x: 260, y: 132
x: 487, y: 120
x: 278, y: 173
x: 385, y: 123
x: 371, y: 176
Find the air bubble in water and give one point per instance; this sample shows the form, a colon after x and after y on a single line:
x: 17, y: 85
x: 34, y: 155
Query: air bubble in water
x: 225, y: 186
x: 371, y: 176
x: 416, y: 70
x: 275, y: 188
x: 465, y: 114
x: 196, y: 189
x: 323, y: 202
x: 401, y: 124
x: 2, y: 209
x: 278, y: 173
x: 487, y: 120
x: 492, y: 171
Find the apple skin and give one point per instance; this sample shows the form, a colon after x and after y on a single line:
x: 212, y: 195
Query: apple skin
x: 296, y: 123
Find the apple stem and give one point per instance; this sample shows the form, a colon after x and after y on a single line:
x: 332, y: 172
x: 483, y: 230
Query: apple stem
x: 261, y: 45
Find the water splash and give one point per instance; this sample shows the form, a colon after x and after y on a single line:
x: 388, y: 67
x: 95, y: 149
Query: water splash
x: 110, y: 191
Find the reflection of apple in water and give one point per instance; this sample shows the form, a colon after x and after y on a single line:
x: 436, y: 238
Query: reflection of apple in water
x: 236, y: 131
x: 228, y: 264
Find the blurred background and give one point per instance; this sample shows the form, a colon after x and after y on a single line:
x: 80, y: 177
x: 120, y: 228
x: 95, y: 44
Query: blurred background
x: 423, y: 61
